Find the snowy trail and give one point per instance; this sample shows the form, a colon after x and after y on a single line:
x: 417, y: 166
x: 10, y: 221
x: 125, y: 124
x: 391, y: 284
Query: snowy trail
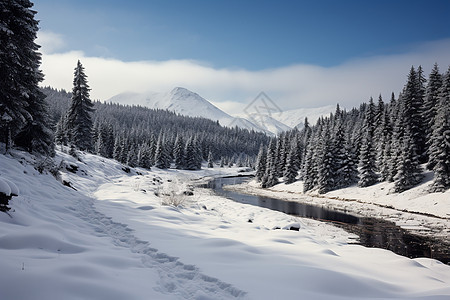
x: 176, y: 278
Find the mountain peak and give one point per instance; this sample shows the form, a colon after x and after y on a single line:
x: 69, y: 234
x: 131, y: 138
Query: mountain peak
x: 188, y: 103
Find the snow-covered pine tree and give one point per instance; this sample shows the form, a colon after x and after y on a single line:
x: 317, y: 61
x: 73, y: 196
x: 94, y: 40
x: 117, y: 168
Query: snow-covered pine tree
x: 109, y: 140
x: 132, y: 158
x: 340, y: 157
x: 23, y: 112
x: 117, y: 148
x: 210, y: 160
x: 395, y: 143
x: 61, y: 131
x: 145, y: 156
x: 191, y: 155
x: 278, y: 159
x: 430, y: 108
x: 270, y: 178
x: 439, y: 151
x: 367, y: 158
x: 306, y: 132
x: 308, y: 171
x: 79, y: 119
x: 411, y: 114
x: 261, y: 163
x: 326, y: 164
x: 292, y: 163
x: 409, y: 172
x: 124, y: 148
x: 431, y: 97
x: 178, y: 152
x: 198, y: 151
x: 379, y: 117
x: 310, y: 165
x: 384, y: 133
x: 161, y: 158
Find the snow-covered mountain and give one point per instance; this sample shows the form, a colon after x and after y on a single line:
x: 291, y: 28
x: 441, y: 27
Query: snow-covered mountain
x: 268, y: 123
x: 184, y: 102
x: 188, y: 103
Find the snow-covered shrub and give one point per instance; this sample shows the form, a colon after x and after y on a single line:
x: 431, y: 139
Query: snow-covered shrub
x: 171, y: 194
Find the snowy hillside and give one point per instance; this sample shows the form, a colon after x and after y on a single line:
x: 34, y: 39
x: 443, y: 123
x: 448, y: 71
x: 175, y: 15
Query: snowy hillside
x: 268, y: 123
x: 109, y: 236
x: 185, y: 102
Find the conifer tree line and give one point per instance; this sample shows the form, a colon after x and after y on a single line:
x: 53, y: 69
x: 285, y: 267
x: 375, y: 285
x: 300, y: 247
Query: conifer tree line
x: 139, y: 136
x: 395, y: 141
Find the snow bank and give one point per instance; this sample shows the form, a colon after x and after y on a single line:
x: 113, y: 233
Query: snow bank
x: 415, y: 210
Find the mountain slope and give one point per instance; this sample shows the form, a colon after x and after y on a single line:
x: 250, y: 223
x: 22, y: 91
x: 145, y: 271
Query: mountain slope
x: 185, y: 102
x: 188, y: 103
x: 268, y: 123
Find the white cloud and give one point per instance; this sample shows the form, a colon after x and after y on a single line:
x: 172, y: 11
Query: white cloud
x: 50, y: 42
x: 290, y: 87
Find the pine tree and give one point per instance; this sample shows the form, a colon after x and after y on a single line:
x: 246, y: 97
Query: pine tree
x: 132, y: 158
x: 349, y: 172
x: 409, y: 173
x: 179, y: 152
x: 439, y: 151
x: 210, y: 160
x: 161, y: 157
x: 411, y: 113
x: 198, y: 154
x: 326, y: 165
x: 292, y: 164
x: 395, y: 143
x: 192, y: 157
x: 124, y: 148
x: 144, y: 157
x: 308, y: 170
x: 261, y: 163
x: 430, y: 108
x: 23, y: 112
x: 270, y: 179
x: 61, y: 131
x: 367, y: 158
x: 79, y: 120
x: 341, y: 161
x: 117, y: 148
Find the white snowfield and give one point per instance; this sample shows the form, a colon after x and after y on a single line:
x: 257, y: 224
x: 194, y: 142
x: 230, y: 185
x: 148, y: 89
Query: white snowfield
x: 113, y: 238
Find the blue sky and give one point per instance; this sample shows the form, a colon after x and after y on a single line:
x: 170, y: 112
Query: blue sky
x: 247, y: 36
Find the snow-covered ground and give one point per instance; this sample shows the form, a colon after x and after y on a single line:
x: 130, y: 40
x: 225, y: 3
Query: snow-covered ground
x: 110, y: 237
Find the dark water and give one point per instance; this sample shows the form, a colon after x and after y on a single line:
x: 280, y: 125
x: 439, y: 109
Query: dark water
x: 372, y: 232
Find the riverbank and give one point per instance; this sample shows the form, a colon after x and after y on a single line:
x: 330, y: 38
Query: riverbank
x: 418, y: 212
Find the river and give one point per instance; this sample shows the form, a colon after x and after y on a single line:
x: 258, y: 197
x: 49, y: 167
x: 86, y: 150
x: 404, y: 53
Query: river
x: 372, y: 232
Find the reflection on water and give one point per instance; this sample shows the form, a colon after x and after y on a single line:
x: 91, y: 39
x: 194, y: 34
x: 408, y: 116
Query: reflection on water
x: 372, y: 232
